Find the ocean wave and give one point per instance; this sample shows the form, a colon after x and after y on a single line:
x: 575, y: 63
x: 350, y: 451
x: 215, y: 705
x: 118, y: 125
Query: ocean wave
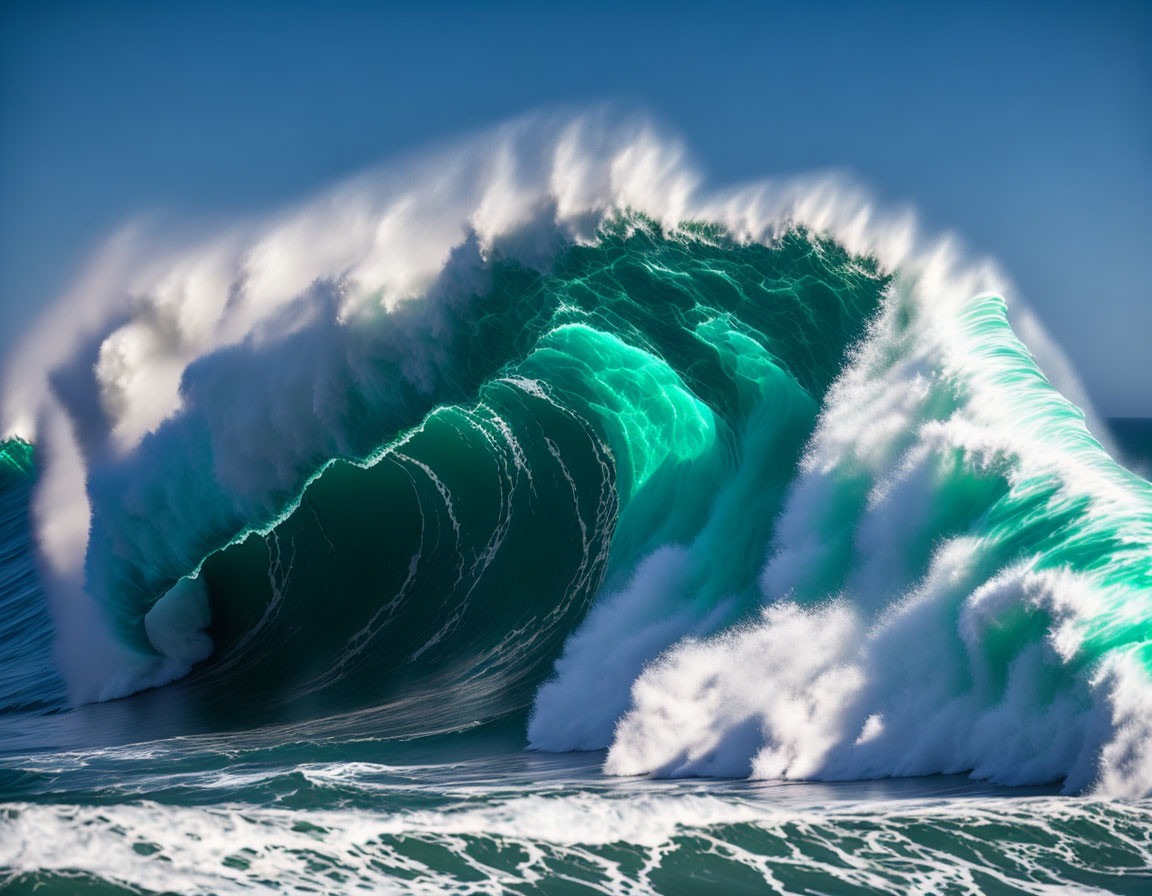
x: 755, y: 482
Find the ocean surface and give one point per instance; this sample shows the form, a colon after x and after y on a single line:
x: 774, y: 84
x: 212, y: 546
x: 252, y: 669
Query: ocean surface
x: 527, y: 518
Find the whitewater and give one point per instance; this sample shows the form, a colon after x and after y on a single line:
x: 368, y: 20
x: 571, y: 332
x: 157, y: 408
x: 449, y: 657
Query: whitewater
x: 531, y: 514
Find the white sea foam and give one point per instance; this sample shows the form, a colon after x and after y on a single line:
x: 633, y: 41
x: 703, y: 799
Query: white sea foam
x: 885, y: 847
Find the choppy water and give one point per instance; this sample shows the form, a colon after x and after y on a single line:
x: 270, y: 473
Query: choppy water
x: 475, y: 814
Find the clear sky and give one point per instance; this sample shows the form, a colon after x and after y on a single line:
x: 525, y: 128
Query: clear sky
x: 1025, y: 127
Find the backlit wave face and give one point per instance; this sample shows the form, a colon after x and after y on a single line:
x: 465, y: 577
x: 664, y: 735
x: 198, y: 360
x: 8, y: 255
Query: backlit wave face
x: 749, y: 483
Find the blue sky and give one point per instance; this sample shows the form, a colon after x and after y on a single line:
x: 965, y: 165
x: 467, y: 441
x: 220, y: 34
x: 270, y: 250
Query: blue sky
x: 1027, y: 128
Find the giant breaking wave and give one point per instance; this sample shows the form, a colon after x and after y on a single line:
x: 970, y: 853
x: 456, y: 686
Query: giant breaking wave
x: 755, y: 482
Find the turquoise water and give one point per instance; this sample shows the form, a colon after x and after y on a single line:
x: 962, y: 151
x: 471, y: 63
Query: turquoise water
x: 677, y: 560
